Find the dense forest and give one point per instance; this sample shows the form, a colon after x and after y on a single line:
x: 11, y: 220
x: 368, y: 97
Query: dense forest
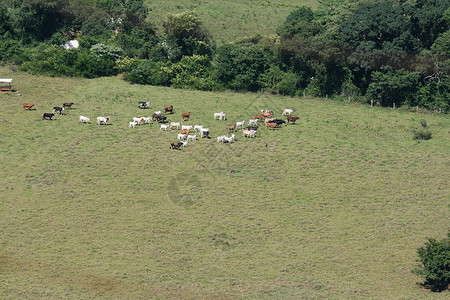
x: 385, y: 52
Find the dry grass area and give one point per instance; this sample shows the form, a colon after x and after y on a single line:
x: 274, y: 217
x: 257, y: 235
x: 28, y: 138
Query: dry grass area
x: 332, y: 207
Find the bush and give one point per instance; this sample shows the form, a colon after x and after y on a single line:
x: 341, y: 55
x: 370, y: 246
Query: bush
x: 434, y: 264
x: 150, y: 72
x: 193, y: 72
x: 422, y: 134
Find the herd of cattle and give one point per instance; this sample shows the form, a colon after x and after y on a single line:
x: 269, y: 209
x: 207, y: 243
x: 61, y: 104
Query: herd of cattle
x: 187, y: 132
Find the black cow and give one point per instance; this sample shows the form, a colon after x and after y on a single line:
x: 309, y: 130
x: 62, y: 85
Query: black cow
x: 58, y: 109
x: 252, y: 127
x: 160, y: 118
x: 143, y: 104
x: 176, y: 146
x: 278, y: 122
x: 47, y: 116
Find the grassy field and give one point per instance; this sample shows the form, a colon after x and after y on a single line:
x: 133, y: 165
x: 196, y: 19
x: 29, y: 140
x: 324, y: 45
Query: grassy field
x: 229, y: 20
x: 333, y: 207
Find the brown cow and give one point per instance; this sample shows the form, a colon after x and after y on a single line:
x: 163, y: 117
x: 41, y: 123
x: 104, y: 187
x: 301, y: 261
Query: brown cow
x: 27, y: 106
x: 186, y: 116
x: 186, y: 131
x: 260, y: 117
x: 267, y: 114
x: 68, y: 104
x: 292, y: 119
x: 231, y: 128
x: 168, y: 109
x: 271, y: 125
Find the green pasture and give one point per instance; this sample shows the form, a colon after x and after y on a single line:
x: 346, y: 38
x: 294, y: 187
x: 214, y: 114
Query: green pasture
x: 332, y: 207
x: 229, y: 20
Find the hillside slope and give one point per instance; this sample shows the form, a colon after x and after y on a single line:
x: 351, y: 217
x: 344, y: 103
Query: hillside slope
x: 229, y: 20
x: 332, y: 207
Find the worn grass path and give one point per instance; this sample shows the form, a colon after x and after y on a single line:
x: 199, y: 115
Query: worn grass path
x: 333, y: 207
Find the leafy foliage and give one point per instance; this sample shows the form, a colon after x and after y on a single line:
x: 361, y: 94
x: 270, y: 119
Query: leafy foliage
x: 434, y: 264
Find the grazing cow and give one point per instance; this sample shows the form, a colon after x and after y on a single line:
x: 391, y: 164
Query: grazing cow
x: 253, y: 121
x: 267, y: 114
x: 68, y: 104
x: 181, y: 136
x: 58, y: 109
x: 269, y: 120
x: 221, y: 138
x: 160, y: 118
x: 278, y: 122
x: 27, y: 106
x: 292, y: 119
x: 288, y: 111
x: 220, y: 116
x: 258, y: 117
x: 186, y: 116
x: 163, y: 127
x: 175, y: 146
x: 197, y: 127
x: 230, y: 139
x: 132, y: 124
x: 47, y: 116
x: 175, y: 124
x: 204, y: 132
x: 240, y: 124
x: 266, y: 111
x: 102, y: 120
x: 186, y: 127
x: 252, y: 128
x: 146, y: 120
x: 271, y: 125
x: 231, y: 128
x: 184, y: 144
x: 185, y: 131
x: 191, y: 137
x: 158, y: 112
x: 249, y: 133
x: 138, y: 120
x: 168, y: 109
x: 144, y: 104
x: 83, y: 119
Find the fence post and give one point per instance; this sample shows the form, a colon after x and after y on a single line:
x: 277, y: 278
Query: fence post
x: 304, y: 94
x: 393, y: 106
x: 371, y: 103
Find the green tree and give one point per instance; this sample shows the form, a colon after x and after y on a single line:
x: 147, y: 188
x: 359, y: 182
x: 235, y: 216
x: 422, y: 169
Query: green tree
x: 434, y: 264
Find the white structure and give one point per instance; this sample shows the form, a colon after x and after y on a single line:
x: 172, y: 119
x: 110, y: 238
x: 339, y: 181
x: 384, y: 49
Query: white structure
x: 3, y: 82
x: 73, y: 44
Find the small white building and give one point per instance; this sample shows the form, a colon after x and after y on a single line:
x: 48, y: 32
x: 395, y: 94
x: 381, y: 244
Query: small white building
x: 73, y: 44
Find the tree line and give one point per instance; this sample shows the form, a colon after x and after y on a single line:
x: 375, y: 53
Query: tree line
x: 391, y: 52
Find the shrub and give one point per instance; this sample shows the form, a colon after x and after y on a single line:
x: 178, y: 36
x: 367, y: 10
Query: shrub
x: 150, y: 72
x: 434, y: 264
x: 193, y: 72
x: 422, y: 134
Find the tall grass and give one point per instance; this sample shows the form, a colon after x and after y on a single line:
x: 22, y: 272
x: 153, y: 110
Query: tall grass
x: 332, y: 207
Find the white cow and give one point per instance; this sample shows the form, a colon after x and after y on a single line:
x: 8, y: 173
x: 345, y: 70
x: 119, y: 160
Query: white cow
x: 249, y: 133
x: 253, y: 121
x: 102, y: 120
x: 240, y: 124
x: 83, y: 119
x: 146, y: 120
x: 191, y: 137
x: 220, y: 116
x: 163, y: 127
x: 220, y: 139
x: 175, y: 124
x: 132, y: 124
x: 197, y: 127
x: 186, y: 127
x: 137, y: 120
x: 184, y: 143
x: 230, y: 139
x: 181, y: 136
x: 158, y: 112
x: 288, y: 111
